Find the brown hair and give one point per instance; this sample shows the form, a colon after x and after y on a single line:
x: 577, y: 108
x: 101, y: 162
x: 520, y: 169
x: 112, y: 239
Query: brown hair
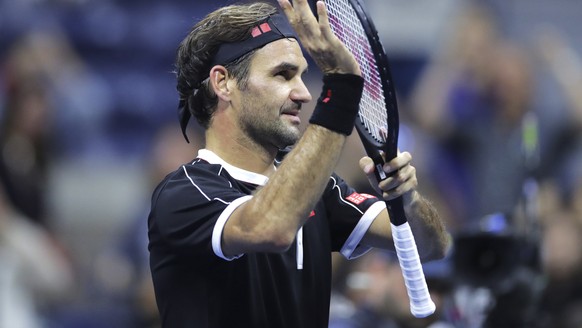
x: 196, y: 51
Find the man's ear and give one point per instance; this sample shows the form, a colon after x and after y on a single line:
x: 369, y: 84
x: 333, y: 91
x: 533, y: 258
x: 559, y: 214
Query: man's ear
x: 219, y: 79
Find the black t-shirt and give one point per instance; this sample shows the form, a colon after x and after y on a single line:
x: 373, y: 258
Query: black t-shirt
x: 197, y: 286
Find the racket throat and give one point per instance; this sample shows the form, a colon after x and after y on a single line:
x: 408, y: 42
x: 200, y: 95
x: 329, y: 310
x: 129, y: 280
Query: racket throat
x: 381, y: 174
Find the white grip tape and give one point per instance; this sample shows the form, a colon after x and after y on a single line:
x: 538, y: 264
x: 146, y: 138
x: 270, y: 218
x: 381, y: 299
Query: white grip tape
x: 421, y: 305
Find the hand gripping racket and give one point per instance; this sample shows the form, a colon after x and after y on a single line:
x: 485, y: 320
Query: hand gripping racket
x: 377, y: 126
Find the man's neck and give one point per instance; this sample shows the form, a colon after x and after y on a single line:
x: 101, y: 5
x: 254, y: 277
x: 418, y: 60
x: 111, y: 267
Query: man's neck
x: 241, y: 152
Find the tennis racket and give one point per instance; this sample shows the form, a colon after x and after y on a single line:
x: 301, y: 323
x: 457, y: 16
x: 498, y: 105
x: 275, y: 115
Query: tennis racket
x: 377, y: 126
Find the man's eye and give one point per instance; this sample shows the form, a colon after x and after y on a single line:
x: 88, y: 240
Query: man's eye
x: 285, y: 74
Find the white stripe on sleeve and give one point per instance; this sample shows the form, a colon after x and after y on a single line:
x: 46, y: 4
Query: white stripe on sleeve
x: 219, y: 227
x: 352, y: 248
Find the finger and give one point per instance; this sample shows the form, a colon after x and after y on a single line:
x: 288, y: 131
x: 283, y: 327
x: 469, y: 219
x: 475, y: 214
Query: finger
x: 402, y: 176
x: 367, y: 165
x: 286, y: 7
x: 323, y: 19
x: 401, y: 160
x: 401, y: 190
x: 406, y: 187
x: 289, y: 11
x: 301, y: 17
x: 304, y: 13
x: 324, y: 23
x: 406, y: 173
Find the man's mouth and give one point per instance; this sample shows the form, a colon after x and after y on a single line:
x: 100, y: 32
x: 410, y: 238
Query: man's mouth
x: 293, y: 115
x: 292, y: 112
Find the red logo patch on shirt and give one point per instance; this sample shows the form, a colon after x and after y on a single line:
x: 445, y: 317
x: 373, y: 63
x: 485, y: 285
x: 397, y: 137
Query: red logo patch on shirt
x: 358, y: 198
x: 312, y: 213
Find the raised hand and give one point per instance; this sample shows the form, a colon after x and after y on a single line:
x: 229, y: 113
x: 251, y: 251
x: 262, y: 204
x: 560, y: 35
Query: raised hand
x: 328, y: 52
x: 401, y: 179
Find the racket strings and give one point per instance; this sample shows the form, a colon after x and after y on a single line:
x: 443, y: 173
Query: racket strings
x: 346, y: 26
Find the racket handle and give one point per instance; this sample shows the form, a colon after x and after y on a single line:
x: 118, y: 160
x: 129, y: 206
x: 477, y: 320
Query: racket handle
x: 421, y: 305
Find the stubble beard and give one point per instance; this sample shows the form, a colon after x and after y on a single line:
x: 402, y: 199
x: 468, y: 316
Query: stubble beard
x: 263, y: 130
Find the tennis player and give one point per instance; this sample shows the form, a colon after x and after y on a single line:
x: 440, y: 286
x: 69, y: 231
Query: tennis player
x: 238, y: 239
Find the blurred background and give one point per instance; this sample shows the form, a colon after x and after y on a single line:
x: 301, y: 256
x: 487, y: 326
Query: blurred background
x: 490, y: 95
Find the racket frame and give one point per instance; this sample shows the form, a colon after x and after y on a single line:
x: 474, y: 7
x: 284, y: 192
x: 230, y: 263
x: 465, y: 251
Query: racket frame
x: 421, y: 305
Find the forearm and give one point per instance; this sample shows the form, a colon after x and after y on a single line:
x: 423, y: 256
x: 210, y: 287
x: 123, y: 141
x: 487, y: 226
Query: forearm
x: 270, y: 220
x: 296, y: 186
x: 432, y: 239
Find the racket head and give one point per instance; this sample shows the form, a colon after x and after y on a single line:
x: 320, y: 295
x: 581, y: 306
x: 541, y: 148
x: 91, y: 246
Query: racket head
x: 377, y: 122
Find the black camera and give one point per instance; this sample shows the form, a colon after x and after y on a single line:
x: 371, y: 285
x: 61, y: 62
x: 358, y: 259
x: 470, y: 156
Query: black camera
x: 505, y: 265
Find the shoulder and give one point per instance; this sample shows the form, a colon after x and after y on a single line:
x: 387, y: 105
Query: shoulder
x: 192, y: 177
x: 198, y: 171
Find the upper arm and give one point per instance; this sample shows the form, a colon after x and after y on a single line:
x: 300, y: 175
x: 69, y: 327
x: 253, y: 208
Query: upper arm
x: 187, y: 209
x: 379, y: 235
x: 247, y: 231
x: 352, y: 216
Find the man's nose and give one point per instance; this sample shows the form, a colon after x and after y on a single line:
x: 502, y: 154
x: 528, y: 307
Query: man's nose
x: 301, y: 93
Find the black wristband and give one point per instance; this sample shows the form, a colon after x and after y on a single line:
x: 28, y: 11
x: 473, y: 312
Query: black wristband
x: 339, y: 103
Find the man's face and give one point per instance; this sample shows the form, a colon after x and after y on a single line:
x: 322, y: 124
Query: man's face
x: 268, y: 107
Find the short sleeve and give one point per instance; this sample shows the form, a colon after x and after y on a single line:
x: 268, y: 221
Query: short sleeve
x: 350, y: 216
x: 189, y: 211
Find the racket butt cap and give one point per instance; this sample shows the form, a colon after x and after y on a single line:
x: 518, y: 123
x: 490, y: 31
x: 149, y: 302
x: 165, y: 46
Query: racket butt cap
x: 424, y: 310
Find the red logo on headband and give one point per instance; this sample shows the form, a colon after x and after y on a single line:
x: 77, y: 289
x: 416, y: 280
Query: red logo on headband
x: 258, y: 30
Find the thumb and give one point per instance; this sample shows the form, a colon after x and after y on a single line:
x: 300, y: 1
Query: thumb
x: 367, y: 165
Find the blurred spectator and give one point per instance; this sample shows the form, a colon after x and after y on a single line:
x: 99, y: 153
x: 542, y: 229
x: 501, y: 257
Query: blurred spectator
x: 496, y: 140
x: 562, y: 301
x: 561, y: 200
x: 565, y: 66
x: 25, y: 136
x: 373, y: 295
x: 464, y: 55
x: 37, y: 276
x: 79, y: 100
x: 121, y: 281
x: 461, y: 64
x: 479, y: 103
